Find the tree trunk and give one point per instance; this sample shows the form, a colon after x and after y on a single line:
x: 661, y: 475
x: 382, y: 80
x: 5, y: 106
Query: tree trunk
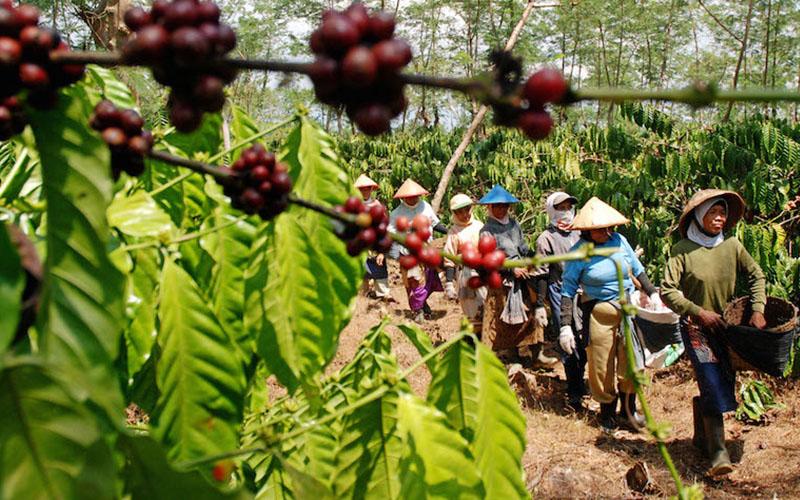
x: 105, y: 22
x: 741, y: 56
x: 476, y: 121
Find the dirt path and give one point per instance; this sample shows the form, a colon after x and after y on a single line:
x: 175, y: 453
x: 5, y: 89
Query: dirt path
x: 568, y: 457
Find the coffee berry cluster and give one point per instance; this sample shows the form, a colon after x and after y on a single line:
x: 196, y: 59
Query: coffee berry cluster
x: 370, y: 228
x: 183, y: 41
x: 122, y: 130
x: 415, y: 243
x: 12, y: 118
x: 486, y: 259
x: 258, y: 183
x: 357, y: 66
x: 25, y: 64
x: 545, y: 86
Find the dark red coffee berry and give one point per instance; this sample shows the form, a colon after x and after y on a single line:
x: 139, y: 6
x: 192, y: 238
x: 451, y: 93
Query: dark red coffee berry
x: 545, y: 85
x: 33, y: 76
x: 381, y: 26
x: 407, y: 261
x: 373, y: 119
x: 137, y: 18
x: 391, y: 55
x: 10, y: 52
x: 114, y: 137
x: 359, y: 67
x: 338, y: 34
x: 487, y: 244
x: 535, y: 124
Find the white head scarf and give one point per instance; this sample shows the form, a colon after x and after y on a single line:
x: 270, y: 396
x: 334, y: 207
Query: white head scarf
x: 565, y: 217
x: 695, y: 231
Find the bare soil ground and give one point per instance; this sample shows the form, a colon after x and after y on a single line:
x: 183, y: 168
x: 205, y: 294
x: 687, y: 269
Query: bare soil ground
x: 568, y: 457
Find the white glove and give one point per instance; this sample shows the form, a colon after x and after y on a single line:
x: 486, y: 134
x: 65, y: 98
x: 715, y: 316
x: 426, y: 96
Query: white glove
x: 540, y: 316
x: 450, y: 291
x: 655, y: 302
x: 566, y: 339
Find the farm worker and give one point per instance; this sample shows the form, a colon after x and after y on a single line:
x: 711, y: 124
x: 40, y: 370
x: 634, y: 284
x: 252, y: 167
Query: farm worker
x: 376, y: 262
x: 419, y: 281
x: 465, y: 229
x: 507, y: 326
x: 557, y: 239
x: 699, y: 281
x: 602, y: 318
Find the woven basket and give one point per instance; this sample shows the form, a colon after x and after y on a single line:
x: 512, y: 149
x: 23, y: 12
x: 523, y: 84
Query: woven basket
x: 752, y: 349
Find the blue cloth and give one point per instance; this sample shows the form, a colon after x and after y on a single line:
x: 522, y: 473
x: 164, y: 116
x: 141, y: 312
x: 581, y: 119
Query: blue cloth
x: 498, y: 195
x: 715, y: 378
x: 376, y: 272
x: 598, y: 275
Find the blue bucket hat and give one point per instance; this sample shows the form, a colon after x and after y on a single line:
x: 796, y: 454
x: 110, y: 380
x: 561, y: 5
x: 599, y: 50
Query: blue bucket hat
x: 498, y: 195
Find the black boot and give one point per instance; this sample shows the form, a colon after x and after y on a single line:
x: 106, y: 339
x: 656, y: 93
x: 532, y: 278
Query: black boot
x: 628, y: 411
x: 608, y: 421
x: 715, y: 440
x: 699, y: 437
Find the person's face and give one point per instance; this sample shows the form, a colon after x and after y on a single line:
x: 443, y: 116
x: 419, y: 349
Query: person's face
x: 412, y: 200
x: 499, y: 210
x: 463, y: 214
x: 600, y: 236
x: 366, y: 192
x: 564, y: 206
x: 715, y: 219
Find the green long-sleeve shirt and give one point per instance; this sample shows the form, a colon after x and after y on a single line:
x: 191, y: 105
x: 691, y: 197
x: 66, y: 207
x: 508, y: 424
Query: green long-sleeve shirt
x: 707, y: 277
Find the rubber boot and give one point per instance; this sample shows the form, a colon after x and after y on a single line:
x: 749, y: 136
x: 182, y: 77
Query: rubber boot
x: 538, y: 358
x: 715, y: 440
x: 634, y: 418
x: 608, y: 421
x: 699, y: 437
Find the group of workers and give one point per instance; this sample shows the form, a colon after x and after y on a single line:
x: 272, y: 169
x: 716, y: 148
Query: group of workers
x: 583, y: 296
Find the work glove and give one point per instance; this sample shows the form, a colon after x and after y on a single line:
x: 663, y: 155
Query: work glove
x: 540, y: 316
x: 450, y: 291
x: 566, y: 339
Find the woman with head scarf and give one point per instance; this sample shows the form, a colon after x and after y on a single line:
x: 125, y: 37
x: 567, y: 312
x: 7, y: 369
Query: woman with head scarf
x: 699, y: 281
x: 507, y: 326
x: 602, y: 318
x: 557, y: 239
x: 419, y: 281
x: 376, y: 262
x: 465, y: 230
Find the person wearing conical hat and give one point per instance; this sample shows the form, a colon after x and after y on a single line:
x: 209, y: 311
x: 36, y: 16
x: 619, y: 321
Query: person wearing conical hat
x: 507, y: 326
x: 377, y: 271
x: 419, y: 281
x: 699, y: 281
x: 606, y: 358
x: 465, y: 230
x: 558, y: 239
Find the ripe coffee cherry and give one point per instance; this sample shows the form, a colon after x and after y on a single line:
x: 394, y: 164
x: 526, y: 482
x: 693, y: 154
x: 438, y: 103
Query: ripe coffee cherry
x: 184, y: 115
x: 413, y: 242
x: 545, y: 85
x: 315, y: 42
x: 367, y: 236
x: 359, y: 67
x: 407, y: 261
x: 137, y: 18
x: 149, y: 46
x: 208, y: 12
x: 26, y: 15
x: 475, y: 282
x: 338, y: 33
x: 494, y: 280
x: 535, y: 124
x: 353, y: 205
x: 220, y: 472
x: 391, y: 55
x: 359, y: 16
x: 424, y: 234
x: 10, y: 52
x: 373, y: 119
x: 492, y: 261
x: 381, y: 26
x: 471, y: 257
x: 115, y: 137
x: 33, y: 76
x: 139, y: 145
x: 402, y: 224
x: 180, y: 13
x: 430, y: 257
x: 131, y: 122
x: 189, y: 46
x: 487, y: 244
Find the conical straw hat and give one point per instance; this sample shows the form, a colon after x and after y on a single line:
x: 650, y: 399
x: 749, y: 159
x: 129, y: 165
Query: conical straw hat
x: 363, y: 181
x: 597, y: 214
x: 735, y: 208
x: 409, y: 189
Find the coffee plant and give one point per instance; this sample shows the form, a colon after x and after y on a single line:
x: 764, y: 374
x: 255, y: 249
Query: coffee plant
x: 127, y: 278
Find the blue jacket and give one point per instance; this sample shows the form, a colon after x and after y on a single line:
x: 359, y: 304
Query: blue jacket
x: 598, y: 275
